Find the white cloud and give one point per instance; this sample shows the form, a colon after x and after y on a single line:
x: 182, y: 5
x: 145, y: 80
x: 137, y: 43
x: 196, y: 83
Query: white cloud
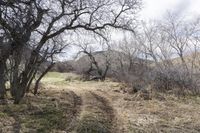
x: 155, y: 9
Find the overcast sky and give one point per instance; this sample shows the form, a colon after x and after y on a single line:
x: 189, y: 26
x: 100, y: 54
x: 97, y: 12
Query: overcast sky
x: 156, y: 9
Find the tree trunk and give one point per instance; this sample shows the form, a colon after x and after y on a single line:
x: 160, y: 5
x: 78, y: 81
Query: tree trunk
x: 18, y: 94
x: 41, y: 76
x: 17, y: 90
x: 5, y: 51
x: 2, y: 80
x: 103, y: 77
x: 16, y: 86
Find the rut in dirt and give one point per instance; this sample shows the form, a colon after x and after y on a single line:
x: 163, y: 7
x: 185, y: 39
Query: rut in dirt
x: 74, y: 112
x: 97, y: 115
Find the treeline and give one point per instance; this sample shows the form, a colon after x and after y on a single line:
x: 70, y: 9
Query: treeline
x: 162, y: 54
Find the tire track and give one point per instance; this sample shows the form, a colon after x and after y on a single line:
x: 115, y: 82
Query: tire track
x: 74, y: 112
x: 97, y: 115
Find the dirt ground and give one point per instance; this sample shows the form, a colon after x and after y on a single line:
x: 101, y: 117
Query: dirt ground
x: 68, y: 105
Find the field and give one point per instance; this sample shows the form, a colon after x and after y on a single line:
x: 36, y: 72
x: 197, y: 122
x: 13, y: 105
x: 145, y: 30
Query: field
x: 66, y: 104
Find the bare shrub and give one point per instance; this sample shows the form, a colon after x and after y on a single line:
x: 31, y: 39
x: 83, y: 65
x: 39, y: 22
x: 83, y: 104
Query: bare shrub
x: 176, y: 81
x: 63, y: 67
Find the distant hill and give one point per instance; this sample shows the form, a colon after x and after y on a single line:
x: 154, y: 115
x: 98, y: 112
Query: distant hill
x: 191, y: 60
x: 67, y: 66
x: 117, y: 60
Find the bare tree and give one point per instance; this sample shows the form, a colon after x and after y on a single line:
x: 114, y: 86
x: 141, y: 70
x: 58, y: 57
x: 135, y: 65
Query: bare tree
x: 129, y: 47
x: 178, y: 36
x: 99, y: 62
x: 164, y: 42
x: 42, y: 21
x: 181, y: 35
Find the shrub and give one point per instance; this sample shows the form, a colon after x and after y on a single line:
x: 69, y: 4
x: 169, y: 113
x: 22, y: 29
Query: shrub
x: 174, y: 80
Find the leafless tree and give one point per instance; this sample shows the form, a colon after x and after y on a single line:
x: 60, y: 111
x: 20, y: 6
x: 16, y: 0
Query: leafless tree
x: 170, y: 44
x: 181, y: 35
x: 99, y: 62
x: 130, y: 48
x: 178, y: 36
x: 34, y: 24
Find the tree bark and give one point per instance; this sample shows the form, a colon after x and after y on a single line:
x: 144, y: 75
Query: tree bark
x: 16, y: 86
x: 5, y: 50
x: 41, y: 76
x: 2, y: 80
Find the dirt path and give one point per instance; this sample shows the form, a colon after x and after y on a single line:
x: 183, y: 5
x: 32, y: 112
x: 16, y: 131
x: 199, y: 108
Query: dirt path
x: 76, y: 106
x: 96, y: 108
x: 97, y: 115
x: 123, y: 113
x: 106, y: 109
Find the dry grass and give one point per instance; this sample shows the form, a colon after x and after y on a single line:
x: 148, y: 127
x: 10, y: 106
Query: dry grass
x: 54, y: 111
x: 166, y: 114
x: 97, y: 115
x: 104, y: 108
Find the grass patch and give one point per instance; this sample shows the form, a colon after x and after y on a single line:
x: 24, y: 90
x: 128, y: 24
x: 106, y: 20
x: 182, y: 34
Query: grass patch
x: 72, y: 77
x: 55, y: 78
x: 46, y: 120
x: 55, y: 74
x: 13, y: 110
x: 41, y: 114
x: 3, y: 115
x: 97, y: 116
x: 42, y: 119
x: 91, y: 123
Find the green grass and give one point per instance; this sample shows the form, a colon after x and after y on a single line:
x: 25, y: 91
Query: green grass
x: 42, y: 119
x: 53, y: 77
x: 56, y: 78
x: 3, y: 115
x: 55, y: 74
x: 46, y: 120
x: 92, y: 123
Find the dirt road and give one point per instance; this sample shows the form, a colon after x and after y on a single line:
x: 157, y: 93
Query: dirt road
x: 105, y: 110
x: 74, y: 106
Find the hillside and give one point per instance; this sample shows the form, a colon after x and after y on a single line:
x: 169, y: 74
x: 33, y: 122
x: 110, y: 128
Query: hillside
x: 115, y: 58
x: 190, y: 59
x: 68, y: 105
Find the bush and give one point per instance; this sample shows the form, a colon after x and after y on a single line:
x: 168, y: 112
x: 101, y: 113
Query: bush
x: 174, y: 80
x: 63, y: 67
